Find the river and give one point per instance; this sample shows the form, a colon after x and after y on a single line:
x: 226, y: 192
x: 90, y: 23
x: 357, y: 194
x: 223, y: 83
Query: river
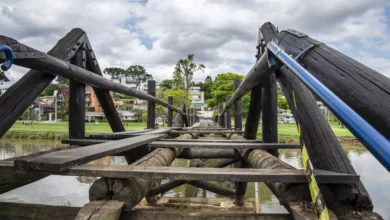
x: 73, y: 191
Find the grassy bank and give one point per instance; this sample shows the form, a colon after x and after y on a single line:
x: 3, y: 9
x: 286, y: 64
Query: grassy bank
x: 287, y: 132
x: 60, y: 130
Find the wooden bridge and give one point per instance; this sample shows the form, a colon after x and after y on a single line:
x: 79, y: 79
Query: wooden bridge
x: 327, y: 188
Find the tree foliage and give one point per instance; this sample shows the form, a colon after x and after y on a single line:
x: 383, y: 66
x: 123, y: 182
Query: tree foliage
x: 49, y: 90
x: 138, y: 73
x: 178, y: 97
x: 184, y: 72
x: 208, y: 79
x: 168, y: 83
x: 138, y: 113
x: 115, y: 72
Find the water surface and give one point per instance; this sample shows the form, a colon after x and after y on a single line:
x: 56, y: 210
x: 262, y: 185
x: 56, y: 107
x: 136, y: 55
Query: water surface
x: 73, y: 191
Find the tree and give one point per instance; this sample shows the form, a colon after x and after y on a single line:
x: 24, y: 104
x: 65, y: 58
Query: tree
x: 49, y: 90
x: 222, y: 88
x: 178, y: 97
x: 115, y: 72
x: 138, y: 113
x: 168, y: 83
x: 138, y: 73
x: 208, y: 79
x: 3, y: 78
x: 184, y: 72
x: 62, y: 80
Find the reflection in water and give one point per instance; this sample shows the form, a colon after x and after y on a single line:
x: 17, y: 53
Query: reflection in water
x: 65, y: 190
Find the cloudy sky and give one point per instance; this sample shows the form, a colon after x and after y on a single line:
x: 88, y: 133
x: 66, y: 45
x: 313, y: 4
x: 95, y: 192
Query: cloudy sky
x: 221, y: 33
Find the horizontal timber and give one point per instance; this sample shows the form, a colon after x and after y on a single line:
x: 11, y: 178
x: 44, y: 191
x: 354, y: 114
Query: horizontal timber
x: 64, y: 159
x: 207, y: 132
x: 264, y: 146
x: 196, y: 173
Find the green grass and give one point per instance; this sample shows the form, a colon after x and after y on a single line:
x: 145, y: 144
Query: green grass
x: 63, y: 127
x: 291, y: 130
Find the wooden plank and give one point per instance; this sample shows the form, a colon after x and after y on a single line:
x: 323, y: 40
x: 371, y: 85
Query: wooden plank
x: 213, y: 141
x: 22, y: 93
x: 84, y: 142
x: 198, y: 173
x: 77, y: 99
x: 65, y: 159
x: 206, y: 132
x: 118, y: 135
x: 263, y: 146
x: 10, y: 211
x: 211, y: 174
x: 103, y: 209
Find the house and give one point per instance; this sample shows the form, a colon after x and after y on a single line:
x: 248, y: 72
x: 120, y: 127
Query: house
x: 91, y: 100
x: 40, y: 108
x: 197, y: 98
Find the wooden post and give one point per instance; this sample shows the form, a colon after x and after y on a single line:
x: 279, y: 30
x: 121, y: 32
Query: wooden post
x: 21, y: 94
x: 228, y: 116
x: 194, y: 116
x: 270, y: 99
x: 237, y: 109
x: 104, y: 97
x: 224, y: 120
x: 151, y: 119
x: 77, y: 99
x: 170, y: 112
x: 323, y: 146
x: 254, y: 112
x: 270, y: 113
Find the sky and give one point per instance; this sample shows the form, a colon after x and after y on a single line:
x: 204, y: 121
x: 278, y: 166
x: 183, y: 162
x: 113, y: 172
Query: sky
x: 221, y: 33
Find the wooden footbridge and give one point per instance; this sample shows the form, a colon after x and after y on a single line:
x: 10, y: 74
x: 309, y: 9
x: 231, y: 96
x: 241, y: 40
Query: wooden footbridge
x: 327, y: 188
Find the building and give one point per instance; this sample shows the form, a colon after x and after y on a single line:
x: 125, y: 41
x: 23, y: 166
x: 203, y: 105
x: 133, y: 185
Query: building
x: 197, y: 98
x: 91, y: 100
x: 40, y: 108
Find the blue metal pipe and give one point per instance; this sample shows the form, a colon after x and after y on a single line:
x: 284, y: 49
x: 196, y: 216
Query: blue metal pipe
x: 378, y: 145
x: 9, y: 57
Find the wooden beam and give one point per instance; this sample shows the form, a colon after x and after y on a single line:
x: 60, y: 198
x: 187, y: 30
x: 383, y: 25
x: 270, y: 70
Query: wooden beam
x: 191, y: 153
x: 207, y: 132
x: 104, y: 97
x: 254, y: 112
x: 237, y: 108
x: 170, y: 112
x: 77, y: 98
x: 151, y: 119
x: 228, y: 116
x: 211, y: 174
x: 213, y: 141
x: 263, y: 146
x: 22, y: 93
x: 106, y: 209
x: 65, y: 159
x: 270, y: 100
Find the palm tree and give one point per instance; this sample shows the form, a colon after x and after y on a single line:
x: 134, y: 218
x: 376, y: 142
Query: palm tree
x: 184, y: 72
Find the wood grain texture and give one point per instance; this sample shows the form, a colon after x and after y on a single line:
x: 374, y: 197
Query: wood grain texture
x: 22, y: 93
x: 65, y: 159
x: 264, y: 146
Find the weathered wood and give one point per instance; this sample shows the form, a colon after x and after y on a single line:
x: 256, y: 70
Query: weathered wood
x: 22, y: 211
x: 22, y: 93
x: 151, y: 118
x: 65, y: 159
x: 213, y: 141
x: 191, y: 153
x: 211, y: 174
x: 254, y: 112
x: 228, y: 116
x: 207, y: 132
x: 110, y: 210
x: 77, y: 98
x: 103, y: 96
x: 270, y: 99
x: 213, y: 187
x: 263, y: 146
x: 170, y: 112
x: 240, y: 187
x: 132, y: 189
x: 67, y: 70
x: 237, y: 109
x: 362, y: 88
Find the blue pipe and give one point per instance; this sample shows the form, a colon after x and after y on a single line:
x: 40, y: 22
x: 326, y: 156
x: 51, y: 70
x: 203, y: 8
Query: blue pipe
x: 378, y: 145
x: 9, y: 57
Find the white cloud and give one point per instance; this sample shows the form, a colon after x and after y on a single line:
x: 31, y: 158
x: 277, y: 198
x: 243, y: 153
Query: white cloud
x: 222, y: 34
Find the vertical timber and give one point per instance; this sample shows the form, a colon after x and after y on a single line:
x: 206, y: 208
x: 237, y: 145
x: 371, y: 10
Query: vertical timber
x: 77, y: 99
x: 237, y: 109
x: 228, y: 116
x: 170, y: 112
x: 151, y: 105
